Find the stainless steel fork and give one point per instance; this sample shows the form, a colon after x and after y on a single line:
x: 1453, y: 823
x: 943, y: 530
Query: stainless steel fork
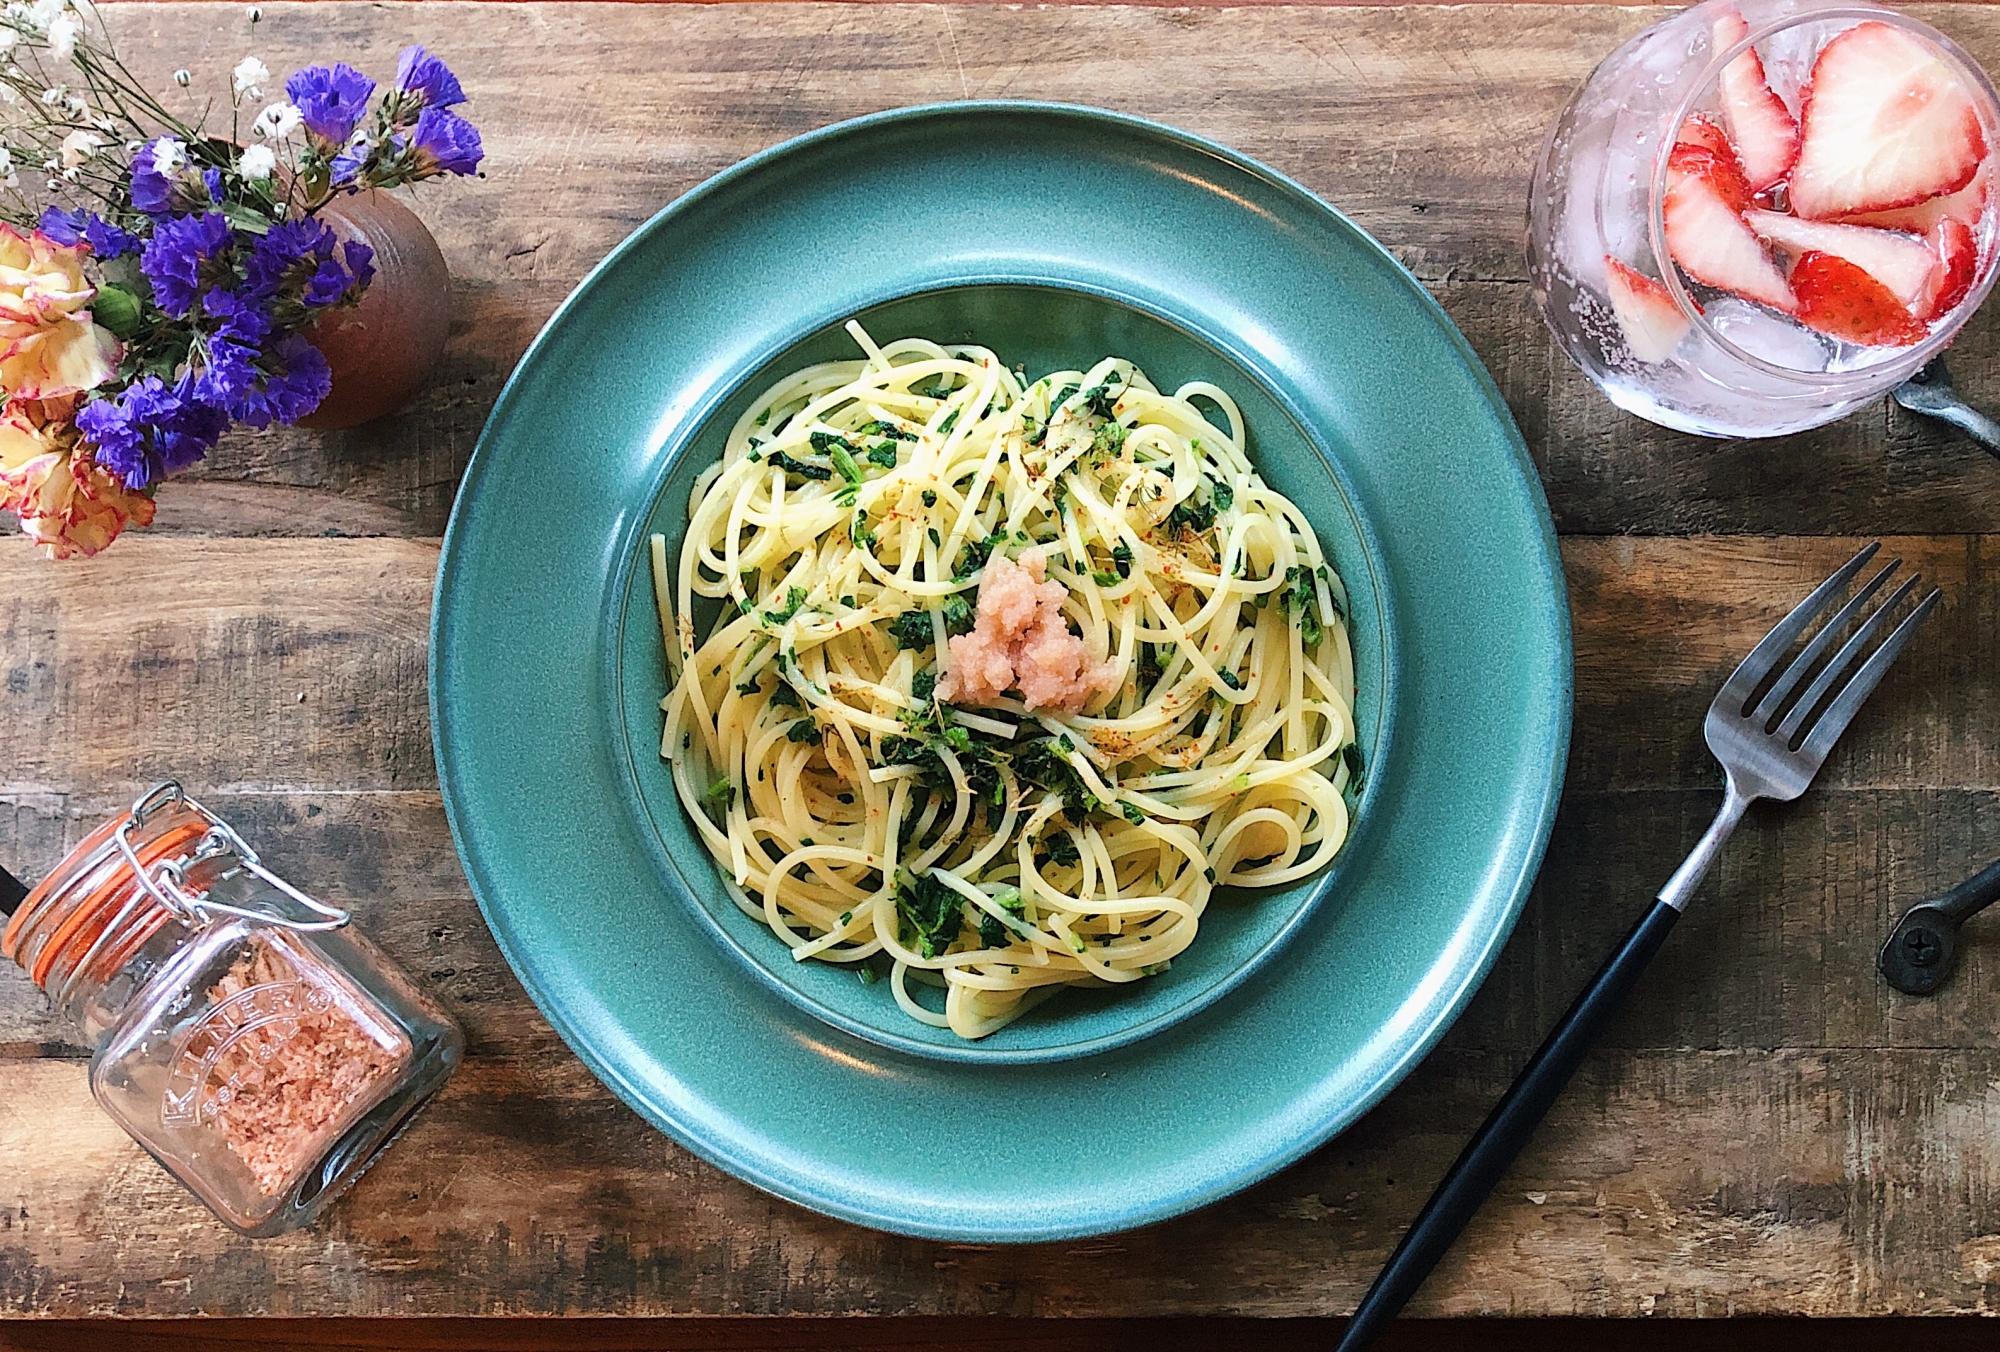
x: 1771, y: 736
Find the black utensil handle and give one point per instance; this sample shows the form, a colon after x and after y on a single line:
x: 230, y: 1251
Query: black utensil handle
x: 1512, y: 1121
x: 1973, y: 895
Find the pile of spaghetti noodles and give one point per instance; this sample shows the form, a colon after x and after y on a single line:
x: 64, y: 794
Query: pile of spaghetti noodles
x: 1000, y: 852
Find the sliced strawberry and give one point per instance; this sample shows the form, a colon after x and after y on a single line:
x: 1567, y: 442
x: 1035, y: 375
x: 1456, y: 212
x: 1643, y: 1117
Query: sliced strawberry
x: 1701, y: 132
x: 1964, y: 206
x: 1887, y: 124
x: 1838, y: 298
x: 1705, y: 200
x: 1958, y: 265
x: 1761, y: 127
x: 1653, y: 324
x: 1905, y: 264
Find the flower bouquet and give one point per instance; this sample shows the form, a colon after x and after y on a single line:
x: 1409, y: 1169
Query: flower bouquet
x: 157, y: 279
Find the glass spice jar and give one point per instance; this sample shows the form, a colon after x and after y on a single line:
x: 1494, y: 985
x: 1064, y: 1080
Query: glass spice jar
x: 245, y: 1034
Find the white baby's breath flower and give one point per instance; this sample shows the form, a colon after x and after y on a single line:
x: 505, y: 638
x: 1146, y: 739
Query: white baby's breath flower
x: 51, y: 164
x: 62, y: 37
x: 249, y: 75
x: 6, y: 160
x: 53, y: 96
x: 277, y: 122
x: 72, y: 175
x: 8, y: 95
x: 54, y: 185
x: 76, y: 104
x: 257, y: 162
x: 183, y: 77
x: 79, y: 146
x: 256, y: 14
x: 42, y: 13
x: 8, y: 38
x: 168, y: 155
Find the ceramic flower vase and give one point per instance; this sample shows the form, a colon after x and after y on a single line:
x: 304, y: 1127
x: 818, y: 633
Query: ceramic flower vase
x: 384, y: 349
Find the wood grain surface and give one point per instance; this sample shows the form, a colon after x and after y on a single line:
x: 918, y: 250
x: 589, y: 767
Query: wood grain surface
x: 1767, y: 1130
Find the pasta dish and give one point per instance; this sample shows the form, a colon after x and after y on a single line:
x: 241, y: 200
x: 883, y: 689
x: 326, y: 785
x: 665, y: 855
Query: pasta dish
x: 984, y: 685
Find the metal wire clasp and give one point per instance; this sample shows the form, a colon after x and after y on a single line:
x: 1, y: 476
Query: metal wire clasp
x: 165, y: 881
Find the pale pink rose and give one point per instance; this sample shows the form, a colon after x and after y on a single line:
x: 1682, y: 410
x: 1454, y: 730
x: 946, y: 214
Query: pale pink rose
x: 67, y: 504
x: 48, y: 344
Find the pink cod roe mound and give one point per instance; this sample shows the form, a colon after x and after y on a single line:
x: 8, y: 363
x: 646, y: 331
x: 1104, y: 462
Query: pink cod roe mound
x: 1019, y: 639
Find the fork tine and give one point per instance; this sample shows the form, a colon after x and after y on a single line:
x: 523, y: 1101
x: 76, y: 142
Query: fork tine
x: 1768, y: 707
x: 1842, y: 660
x: 1841, y: 712
x: 1743, y: 682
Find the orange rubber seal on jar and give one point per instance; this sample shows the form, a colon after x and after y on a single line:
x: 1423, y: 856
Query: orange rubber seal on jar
x: 112, y: 889
x: 38, y: 897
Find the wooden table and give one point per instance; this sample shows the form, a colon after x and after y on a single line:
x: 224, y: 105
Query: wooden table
x: 1767, y: 1129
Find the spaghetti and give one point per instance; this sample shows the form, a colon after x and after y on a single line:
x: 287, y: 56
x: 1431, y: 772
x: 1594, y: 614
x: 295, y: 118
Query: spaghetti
x: 881, y: 538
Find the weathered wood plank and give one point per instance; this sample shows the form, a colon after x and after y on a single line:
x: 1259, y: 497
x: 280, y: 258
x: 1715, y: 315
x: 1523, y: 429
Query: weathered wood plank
x: 1421, y: 123
x: 1680, y: 1183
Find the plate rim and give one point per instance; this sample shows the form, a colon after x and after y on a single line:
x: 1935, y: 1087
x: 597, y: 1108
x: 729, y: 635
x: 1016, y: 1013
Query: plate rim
x: 1442, y: 1013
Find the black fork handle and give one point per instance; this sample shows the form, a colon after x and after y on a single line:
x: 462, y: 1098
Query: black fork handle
x: 1513, y: 1120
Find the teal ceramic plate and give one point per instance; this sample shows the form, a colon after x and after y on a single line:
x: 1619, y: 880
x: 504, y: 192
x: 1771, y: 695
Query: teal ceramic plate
x: 1053, y: 235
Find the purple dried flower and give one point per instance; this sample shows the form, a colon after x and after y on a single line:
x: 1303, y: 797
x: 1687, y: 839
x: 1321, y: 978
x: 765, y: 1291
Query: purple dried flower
x: 153, y: 171
x: 421, y: 74
x: 107, y: 241
x: 64, y: 227
x: 445, y: 143
x: 299, y: 258
x: 163, y: 182
x: 331, y: 100
x: 187, y: 256
x: 360, y: 262
x: 71, y: 227
x: 151, y: 431
x: 296, y: 379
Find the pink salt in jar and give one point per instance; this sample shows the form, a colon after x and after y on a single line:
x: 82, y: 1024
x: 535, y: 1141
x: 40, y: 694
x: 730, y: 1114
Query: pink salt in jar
x: 246, y: 1035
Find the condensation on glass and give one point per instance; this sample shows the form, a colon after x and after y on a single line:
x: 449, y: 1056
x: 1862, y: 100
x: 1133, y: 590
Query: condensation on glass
x: 248, y: 1036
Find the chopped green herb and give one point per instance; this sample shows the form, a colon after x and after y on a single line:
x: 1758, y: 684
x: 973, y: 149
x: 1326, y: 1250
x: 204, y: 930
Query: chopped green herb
x: 1062, y: 850
x: 794, y: 598
x: 883, y: 453
x: 846, y: 919
x: 1299, y: 597
x: 805, y: 730
x: 1225, y: 497
x: 930, y: 497
x: 800, y: 467
x: 1121, y: 558
x: 1132, y: 813
x: 1076, y: 942
x: 1104, y: 579
x: 1231, y: 679
x: 878, y: 428
x: 1351, y: 754
x: 1062, y: 397
x: 972, y: 557
x: 1042, y: 765
x: 937, y: 541
x: 950, y: 421
x: 912, y: 629
x: 867, y: 975
x: 923, y: 685
x: 932, y: 914
x: 784, y: 697
x: 957, y: 614
x: 750, y: 687
x: 844, y: 462
x: 1209, y: 874
x: 720, y: 795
